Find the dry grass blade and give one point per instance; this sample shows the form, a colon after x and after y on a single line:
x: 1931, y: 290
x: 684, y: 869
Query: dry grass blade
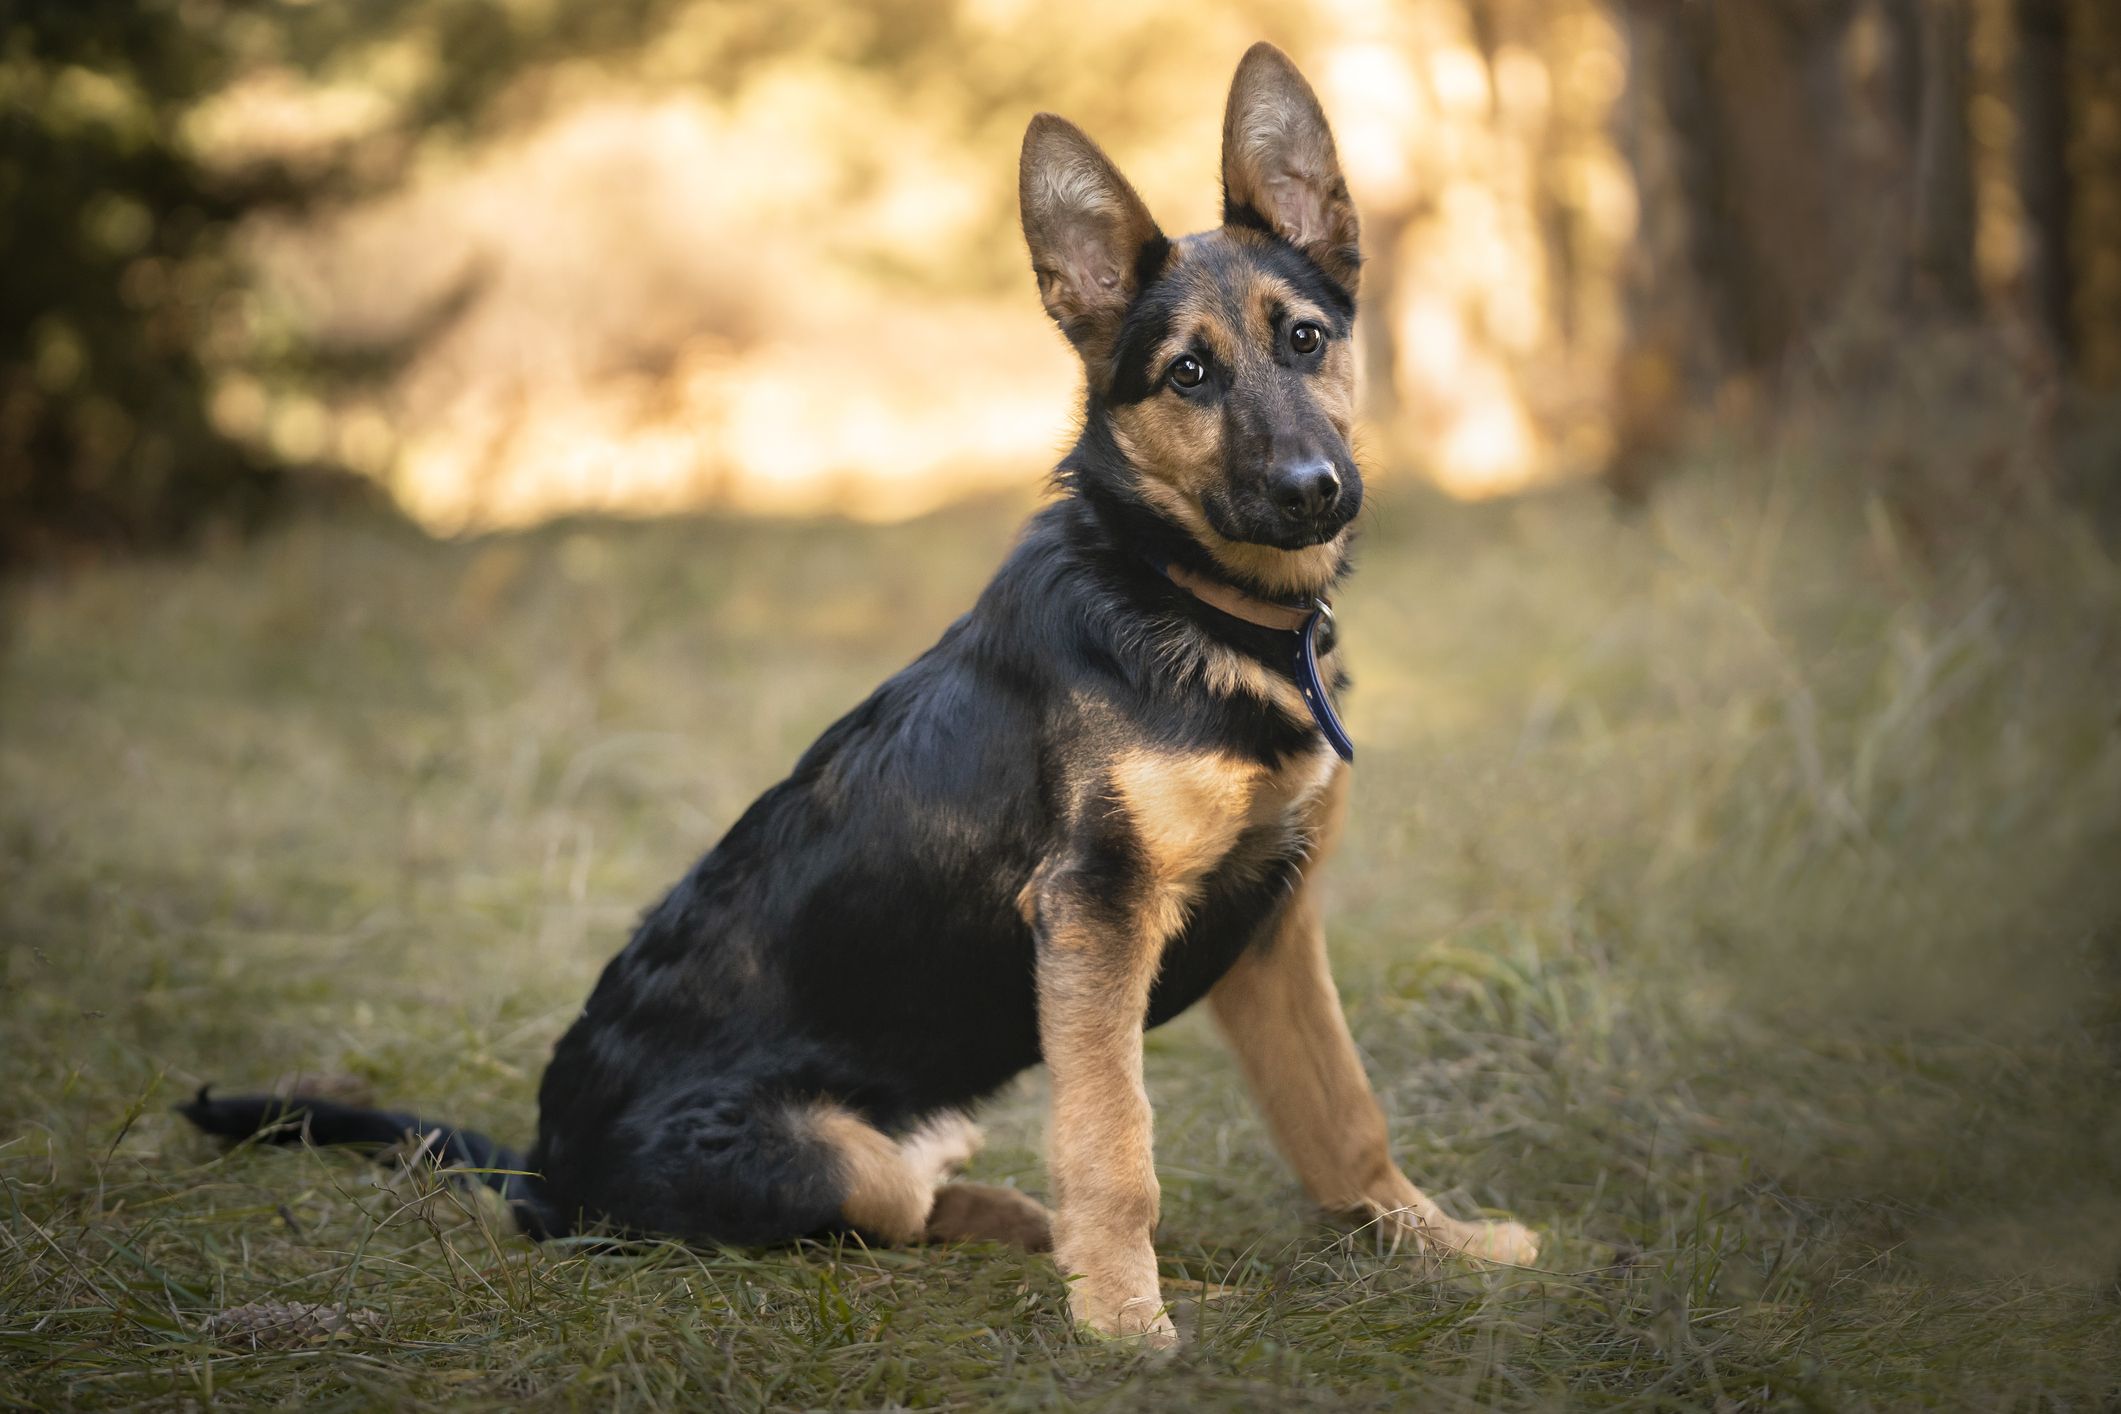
x: 259, y: 1325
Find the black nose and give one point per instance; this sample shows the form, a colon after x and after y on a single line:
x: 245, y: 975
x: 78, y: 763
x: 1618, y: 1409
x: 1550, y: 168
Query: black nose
x: 1306, y: 489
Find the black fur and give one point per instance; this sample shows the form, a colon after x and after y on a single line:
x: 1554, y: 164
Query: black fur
x: 300, y: 1119
x: 858, y: 934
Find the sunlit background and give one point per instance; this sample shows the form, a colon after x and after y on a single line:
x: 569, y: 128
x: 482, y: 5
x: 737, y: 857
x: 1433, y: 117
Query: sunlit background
x: 517, y: 258
x: 444, y: 446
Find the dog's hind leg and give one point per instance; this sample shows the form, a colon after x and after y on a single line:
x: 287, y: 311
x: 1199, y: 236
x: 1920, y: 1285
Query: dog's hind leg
x: 896, y: 1189
x: 941, y: 1145
x: 889, y: 1186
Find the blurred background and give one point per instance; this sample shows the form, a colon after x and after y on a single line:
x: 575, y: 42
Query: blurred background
x: 511, y: 259
x: 454, y: 454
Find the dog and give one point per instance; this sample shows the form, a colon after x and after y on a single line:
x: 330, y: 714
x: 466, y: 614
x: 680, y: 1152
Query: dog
x: 1104, y: 794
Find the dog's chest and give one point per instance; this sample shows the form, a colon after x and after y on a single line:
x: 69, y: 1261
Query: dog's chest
x: 1189, y: 810
x: 1199, y: 816
x: 1257, y: 851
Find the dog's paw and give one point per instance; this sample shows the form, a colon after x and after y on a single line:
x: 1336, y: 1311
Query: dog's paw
x: 1114, y: 1292
x: 981, y: 1212
x: 1511, y: 1244
x: 1496, y: 1241
x: 1134, y: 1319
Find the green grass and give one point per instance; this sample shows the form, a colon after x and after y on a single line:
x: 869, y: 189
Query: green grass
x: 1727, y: 895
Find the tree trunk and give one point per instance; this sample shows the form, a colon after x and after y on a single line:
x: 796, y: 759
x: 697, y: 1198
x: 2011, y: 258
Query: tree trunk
x: 2041, y: 98
x: 1941, y: 254
x: 2094, y: 56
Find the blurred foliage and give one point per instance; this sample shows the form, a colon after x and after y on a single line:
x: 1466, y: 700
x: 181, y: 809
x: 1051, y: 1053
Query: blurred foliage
x: 118, y: 275
x: 114, y: 257
x: 125, y: 298
x: 511, y: 258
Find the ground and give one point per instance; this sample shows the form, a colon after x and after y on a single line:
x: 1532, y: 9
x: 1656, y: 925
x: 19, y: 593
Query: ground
x: 1729, y: 894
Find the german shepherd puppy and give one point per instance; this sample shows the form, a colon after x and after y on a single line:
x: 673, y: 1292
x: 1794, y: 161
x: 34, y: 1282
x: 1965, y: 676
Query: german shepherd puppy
x: 1103, y: 795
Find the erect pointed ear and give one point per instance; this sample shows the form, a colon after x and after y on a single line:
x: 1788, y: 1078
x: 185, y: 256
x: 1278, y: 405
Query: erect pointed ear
x: 1092, y: 241
x: 1279, y: 167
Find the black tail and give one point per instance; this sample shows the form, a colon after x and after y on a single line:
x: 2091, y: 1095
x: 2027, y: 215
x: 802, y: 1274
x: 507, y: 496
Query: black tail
x: 278, y: 1119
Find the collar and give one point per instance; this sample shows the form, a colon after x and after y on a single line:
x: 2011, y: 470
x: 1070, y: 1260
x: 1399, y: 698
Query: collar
x: 1265, y: 613
x: 1312, y: 625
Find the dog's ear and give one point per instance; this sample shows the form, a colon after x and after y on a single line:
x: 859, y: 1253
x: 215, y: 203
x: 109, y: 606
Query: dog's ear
x: 1093, y: 242
x: 1280, y: 171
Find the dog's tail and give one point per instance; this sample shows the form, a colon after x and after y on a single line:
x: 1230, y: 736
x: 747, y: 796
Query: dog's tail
x: 300, y: 1119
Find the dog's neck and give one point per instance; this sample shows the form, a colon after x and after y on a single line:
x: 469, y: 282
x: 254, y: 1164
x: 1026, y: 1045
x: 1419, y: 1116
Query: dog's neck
x: 1305, y: 628
x: 1238, y: 604
x: 1132, y: 550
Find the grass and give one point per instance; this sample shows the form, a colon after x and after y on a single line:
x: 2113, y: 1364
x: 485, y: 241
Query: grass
x: 1728, y: 895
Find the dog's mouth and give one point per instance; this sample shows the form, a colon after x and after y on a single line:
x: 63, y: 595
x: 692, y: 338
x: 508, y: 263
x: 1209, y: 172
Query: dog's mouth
x: 1264, y: 524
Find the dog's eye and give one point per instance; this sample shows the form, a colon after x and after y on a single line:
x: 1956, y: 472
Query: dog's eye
x: 1306, y: 337
x: 1187, y: 371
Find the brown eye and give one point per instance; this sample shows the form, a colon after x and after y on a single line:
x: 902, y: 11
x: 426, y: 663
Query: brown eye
x: 1306, y: 337
x: 1187, y: 372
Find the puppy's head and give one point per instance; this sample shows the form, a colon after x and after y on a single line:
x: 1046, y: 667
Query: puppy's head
x: 1224, y: 362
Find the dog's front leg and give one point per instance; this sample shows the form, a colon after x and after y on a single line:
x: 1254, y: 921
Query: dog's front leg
x: 1279, y: 1010
x: 1094, y: 977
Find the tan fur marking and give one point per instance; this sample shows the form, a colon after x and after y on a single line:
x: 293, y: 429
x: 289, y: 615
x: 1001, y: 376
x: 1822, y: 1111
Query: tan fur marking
x: 1336, y: 387
x: 1186, y: 811
x: 1310, y: 570
x: 891, y: 1185
x: 1279, y: 1011
x: 884, y: 1195
x: 1262, y: 293
x: 1197, y: 323
x: 1173, y: 443
x: 943, y: 1143
x: 1228, y: 673
x: 1092, y: 995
